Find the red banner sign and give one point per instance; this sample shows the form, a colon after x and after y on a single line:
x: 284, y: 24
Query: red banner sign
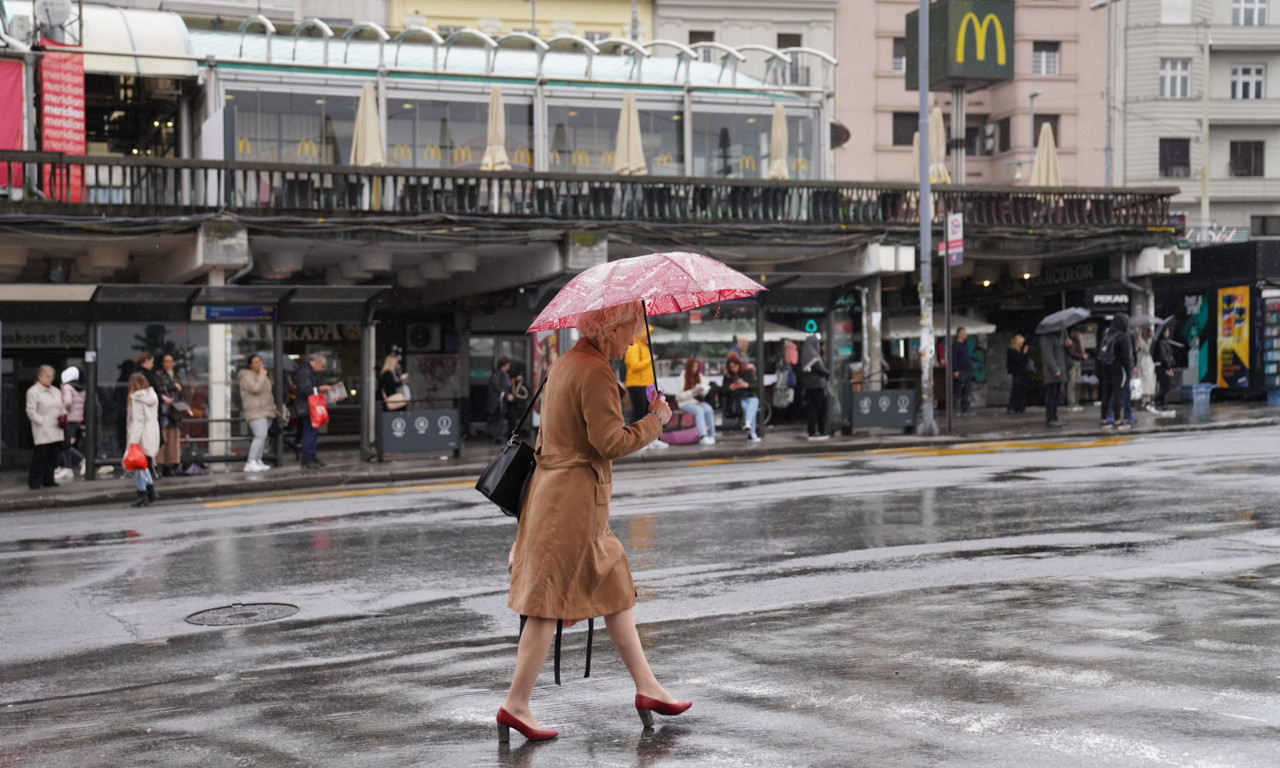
x: 62, y: 118
x: 11, y: 111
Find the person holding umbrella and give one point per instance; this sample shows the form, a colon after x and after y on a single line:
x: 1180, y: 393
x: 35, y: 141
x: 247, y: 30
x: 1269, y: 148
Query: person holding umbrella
x: 1053, y: 356
x: 567, y: 565
x: 1162, y: 353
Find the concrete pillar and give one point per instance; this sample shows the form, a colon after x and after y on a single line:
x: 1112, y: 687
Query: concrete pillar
x: 219, y: 411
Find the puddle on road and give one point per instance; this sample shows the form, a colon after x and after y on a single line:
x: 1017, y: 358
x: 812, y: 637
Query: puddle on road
x: 70, y: 542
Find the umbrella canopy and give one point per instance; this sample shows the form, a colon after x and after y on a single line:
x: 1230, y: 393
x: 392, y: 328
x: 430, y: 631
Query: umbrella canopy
x: 778, y: 145
x: 1166, y: 323
x: 1044, y: 171
x: 938, y: 173
x: 495, y: 151
x: 367, y: 147
x: 1062, y: 320
x: 628, y: 150
x: 665, y: 282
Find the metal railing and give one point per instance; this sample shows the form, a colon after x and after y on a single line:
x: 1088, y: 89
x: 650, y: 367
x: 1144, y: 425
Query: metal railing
x: 162, y: 185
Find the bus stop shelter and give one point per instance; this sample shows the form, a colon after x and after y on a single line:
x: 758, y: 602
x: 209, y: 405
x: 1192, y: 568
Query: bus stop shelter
x: 98, y: 307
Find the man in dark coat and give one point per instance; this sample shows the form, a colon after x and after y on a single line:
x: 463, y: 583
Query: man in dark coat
x: 309, y: 384
x: 961, y: 369
x: 1053, y: 356
x: 499, y: 397
x: 1115, y: 365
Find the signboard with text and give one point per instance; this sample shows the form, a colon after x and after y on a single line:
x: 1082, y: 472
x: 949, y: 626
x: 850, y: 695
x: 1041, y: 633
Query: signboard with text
x: 970, y: 44
x: 62, y: 118
x: 955, y: 239
x: 1233, y: 337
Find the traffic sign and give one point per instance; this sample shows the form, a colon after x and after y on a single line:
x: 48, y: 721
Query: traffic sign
x: 955, y: 239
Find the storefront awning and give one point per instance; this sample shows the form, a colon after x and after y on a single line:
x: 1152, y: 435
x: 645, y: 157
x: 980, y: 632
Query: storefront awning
x: 908, y: 326
x: 129, y: 31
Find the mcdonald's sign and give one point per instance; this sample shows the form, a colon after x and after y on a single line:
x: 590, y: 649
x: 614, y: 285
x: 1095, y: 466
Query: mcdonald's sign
x: 463, y: 155
x: 970, y: 44
x: 554, y: 157
x: 401, y: 153
x: 800, y: 164
x: 307, y: 148
x: 664, y: 160
x: 522, y: 156
x: 244, y: 146
x: 432, y: 153
x: 580, y: 157
x: 746, y: 163
x: 606, y: 159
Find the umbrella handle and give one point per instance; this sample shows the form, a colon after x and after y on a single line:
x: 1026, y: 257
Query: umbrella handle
x: 653, y: 369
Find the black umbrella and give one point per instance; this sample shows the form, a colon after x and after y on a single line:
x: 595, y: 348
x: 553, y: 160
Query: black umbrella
x: 1062, y: 320
x: 1168, y: 322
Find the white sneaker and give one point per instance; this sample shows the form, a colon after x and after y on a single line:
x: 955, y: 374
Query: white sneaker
x: 253, y: 466
x: 753, y: 438
x: 63, y: 474
x: 80, y: 471
x: 706, y: 440
x: 658, y: 444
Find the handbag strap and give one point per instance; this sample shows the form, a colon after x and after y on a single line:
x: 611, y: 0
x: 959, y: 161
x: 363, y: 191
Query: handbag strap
x: 528, y: 408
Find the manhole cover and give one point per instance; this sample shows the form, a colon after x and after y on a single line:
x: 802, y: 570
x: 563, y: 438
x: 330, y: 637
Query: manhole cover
x: 242, y: 613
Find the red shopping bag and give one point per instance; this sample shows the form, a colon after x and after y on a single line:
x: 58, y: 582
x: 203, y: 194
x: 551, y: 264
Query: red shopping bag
x: 134, y: 458
x: 319, y: 410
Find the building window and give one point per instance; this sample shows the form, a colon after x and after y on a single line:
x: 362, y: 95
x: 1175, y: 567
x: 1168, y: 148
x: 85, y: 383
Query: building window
x: 1175, y: 78
x: 696, y: 36
x: 1248, y: 13
x: 905, y: 125
x: 899, y: 54
x: 1004, y: 129
x: 1246, y: 158
x: 792, y: 74
x: 1246, y: 81
x: 1044, y: 58
x: 1175, y: 158
x: 1264, y: 226
x: 1052, y: 122
x: 1175, y: 11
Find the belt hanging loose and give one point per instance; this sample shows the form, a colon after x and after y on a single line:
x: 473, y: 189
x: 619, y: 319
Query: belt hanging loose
x: 591, y: 629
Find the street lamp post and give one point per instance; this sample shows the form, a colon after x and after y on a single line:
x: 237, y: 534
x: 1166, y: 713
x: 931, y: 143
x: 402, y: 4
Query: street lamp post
x: 1097, y: 5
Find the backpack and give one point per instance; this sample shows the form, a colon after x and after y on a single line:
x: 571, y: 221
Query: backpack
x: 1107, y: 350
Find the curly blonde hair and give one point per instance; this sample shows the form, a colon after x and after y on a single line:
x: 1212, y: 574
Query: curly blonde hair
x: 596, y: 324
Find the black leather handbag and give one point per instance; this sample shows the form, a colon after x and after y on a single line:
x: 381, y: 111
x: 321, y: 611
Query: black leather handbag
x: 506, y: 478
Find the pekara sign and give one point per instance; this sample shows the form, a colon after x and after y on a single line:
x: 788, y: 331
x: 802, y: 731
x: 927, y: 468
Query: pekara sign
x: 970, y: 44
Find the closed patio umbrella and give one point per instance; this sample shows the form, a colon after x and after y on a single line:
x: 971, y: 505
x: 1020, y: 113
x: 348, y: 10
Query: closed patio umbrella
x: 1044, y: 171
x: 628, y: 153
x: 366, y: 143
x: 778, y: 145
x: 938, y: 173
x: 495, y: 151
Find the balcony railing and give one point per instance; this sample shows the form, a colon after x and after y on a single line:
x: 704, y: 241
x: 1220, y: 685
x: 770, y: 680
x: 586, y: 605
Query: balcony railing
x: 59, y: 182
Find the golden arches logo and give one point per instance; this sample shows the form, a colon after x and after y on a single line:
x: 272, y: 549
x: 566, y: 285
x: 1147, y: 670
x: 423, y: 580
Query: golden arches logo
x: 243, y: 146
x: 401, y: 153
x: 580, y: 157
x: 554, y: 157
x: 664, y: 160
x: 432, y: 153
x: 980, y: 29
x: 606, y: 159
x: 522, y: 157
x: 307, y: 148
x: 746, y: 163
x: 800, y: 164
x: 463, y: 155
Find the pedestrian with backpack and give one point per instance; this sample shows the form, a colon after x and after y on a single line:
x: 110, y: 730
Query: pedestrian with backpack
x: 1115, y: 366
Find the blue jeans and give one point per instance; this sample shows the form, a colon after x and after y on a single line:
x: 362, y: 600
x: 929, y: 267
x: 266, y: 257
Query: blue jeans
x: 703, y: 416
x: 309, y: 437
x: 142, y: 478
x: 750, y: 406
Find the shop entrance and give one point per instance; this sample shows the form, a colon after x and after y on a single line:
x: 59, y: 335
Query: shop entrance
x: 484, y: 352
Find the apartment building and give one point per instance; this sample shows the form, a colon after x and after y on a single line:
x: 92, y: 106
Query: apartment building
x: 594, y: 20
x: 1059, y: 73
x: 1167, y: 47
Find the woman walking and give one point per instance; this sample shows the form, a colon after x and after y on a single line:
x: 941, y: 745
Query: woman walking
x: 259, y: 408
x: 691, y: 399
x: 566, y: 564
x: 44, y: 406
x: 73, y: 403
x: 813, y: 385
x: 144, y: 431
x: 1018, y: 363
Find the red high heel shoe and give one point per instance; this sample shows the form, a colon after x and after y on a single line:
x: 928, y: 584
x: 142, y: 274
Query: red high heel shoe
x: 506, y: 722
x: 647, y: 706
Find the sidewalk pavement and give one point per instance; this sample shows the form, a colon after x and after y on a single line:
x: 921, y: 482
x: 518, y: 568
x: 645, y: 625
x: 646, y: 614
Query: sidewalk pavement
x: 344, y: 467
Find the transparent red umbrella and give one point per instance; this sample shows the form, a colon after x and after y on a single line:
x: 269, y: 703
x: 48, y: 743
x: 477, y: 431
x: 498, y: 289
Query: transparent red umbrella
x: 665, y: 282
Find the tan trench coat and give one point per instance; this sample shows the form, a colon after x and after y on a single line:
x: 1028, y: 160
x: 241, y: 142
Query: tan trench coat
x: 567, y: 563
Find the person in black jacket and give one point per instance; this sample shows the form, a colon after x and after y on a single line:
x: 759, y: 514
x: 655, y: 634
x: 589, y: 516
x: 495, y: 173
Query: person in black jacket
x: 309, y: 384
x: 1018, y: 363
x: 499, y: 396
x: 961, y: 369
x: 813, y: 375
x: 1115, y: 366
x: 1162, y: 351
x: 1053, y: 355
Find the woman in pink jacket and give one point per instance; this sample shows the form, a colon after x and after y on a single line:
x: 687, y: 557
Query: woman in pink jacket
x: 73, y: 403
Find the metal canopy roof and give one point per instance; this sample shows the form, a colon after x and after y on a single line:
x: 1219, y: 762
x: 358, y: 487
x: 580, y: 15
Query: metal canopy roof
x: 119, y: 303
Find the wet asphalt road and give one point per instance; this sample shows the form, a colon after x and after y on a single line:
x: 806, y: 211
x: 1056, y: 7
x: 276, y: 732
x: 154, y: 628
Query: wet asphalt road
x: 1085, y: 603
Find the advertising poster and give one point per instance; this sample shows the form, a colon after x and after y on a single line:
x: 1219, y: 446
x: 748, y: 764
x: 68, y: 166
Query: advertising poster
x: 1233, y: 337
x: 11, y: 116
x: 62, y: 117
